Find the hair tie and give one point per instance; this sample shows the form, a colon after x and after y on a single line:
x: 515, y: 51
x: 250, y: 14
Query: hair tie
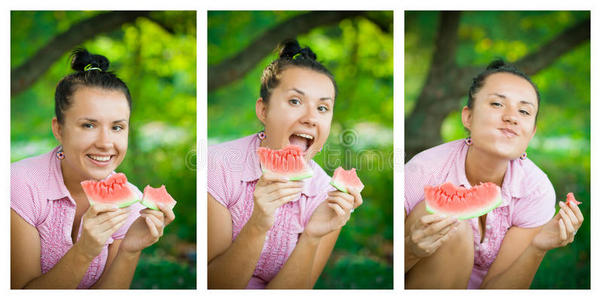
x: 89, y: 67
x: 297, y: 55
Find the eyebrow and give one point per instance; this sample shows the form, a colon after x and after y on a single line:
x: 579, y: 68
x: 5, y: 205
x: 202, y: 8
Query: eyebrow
x: 504, y: 97
x: 94, y: 120
x: 302, y: 93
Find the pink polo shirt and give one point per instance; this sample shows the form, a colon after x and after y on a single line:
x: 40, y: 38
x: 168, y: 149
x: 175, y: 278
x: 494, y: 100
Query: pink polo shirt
x: 38, y: 194
x: 233, y: 170
x: 528, y: 197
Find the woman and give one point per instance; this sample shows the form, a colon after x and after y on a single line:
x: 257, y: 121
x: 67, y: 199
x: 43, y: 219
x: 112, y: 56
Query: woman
x: 57, y: 239
x: 264, y: 231
x: 503, y: 248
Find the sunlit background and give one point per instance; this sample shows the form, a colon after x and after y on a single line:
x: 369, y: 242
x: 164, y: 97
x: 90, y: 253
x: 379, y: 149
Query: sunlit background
x: 561, y: 146
x: 156, y: 57
x: 358, y: 50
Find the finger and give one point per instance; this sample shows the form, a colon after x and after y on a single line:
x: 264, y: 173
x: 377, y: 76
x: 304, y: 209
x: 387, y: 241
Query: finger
x: 158, y: 224
x: 567, y: 222
x: 575, y: 208
x: 98, y: 208
x: 357, y: 197
x: 344, y: 203
x: 448, y: 230
x: 104, y: 216
x: 569, y: 212
x: 562, y: 230
x: 283, y: 192
x: 151, y: 227
x: 281, y: 201
x: 269, y: 177
x: 337, y: 209
x: 430, y: 218
x: 436, y: 227
x: 109, y: 224
x: 167, y: 213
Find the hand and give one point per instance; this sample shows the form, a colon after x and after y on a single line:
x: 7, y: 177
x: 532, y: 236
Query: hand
x: 428, y: 233
x: 270, y: 193
x: 147, y: 229
x: 99, y: 222
x: 333, y: 213
x: 561, y: 230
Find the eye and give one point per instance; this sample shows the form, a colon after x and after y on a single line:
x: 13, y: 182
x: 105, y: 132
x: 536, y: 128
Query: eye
x: 88, y: 125
x: 524, y: 112
x: 323, y: 108
x: 294, y: 101
x: 118, y: 128
x: 497, y: 104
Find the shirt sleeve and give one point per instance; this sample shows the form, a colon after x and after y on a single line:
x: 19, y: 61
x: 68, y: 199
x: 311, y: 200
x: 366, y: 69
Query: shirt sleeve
x: 217, y: 178
x: 537, y: 208
x: 23, y: 198
x: 415, y: 180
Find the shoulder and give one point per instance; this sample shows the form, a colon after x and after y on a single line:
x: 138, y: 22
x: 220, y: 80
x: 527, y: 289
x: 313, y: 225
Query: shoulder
x: 531, y: 179
x: 30, y: 172
x: 434, y: 160
x: 230, y: 152
x: 320, y: 181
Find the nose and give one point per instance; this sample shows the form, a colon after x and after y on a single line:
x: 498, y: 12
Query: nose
x: 103, y: 139
x: 509, y: 116
x: 310, y: 117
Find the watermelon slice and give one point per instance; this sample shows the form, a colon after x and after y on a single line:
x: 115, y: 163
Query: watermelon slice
x: 112, y: 190
x: 570, y: 198
x: 342, y: 180
x: 152, y: 196
x: 462, y: 203
x: 287, y: 162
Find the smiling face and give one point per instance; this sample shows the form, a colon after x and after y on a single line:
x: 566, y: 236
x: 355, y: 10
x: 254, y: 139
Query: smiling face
x: 502, y: 120
x: 299, y: 111
x: 94, y: 133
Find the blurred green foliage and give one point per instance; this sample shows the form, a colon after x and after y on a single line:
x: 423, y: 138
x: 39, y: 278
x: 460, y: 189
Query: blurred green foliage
x: 360, y: 56
x: 159, y: 67
x: 561, y: 147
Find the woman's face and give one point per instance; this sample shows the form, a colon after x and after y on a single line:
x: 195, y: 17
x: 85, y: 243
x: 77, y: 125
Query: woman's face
x: 299, y: 111
x: 94, y: 134
x: 502, y: 120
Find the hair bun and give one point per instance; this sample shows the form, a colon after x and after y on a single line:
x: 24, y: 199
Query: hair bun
x: 82, y: 58
x: 496, y: 64
x: 291, y: 48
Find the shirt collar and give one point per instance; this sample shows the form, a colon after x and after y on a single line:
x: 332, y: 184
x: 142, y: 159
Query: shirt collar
x: 252, y: 168
x: 511, y: 186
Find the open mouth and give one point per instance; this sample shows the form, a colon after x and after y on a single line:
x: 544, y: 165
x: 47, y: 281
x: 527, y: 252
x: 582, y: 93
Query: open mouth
x: 303, y: 140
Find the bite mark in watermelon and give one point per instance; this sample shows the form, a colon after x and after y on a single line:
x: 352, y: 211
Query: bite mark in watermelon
x: 288, y: 162
x: 570, y: 198
x: 462, y: 203
x: 343, y: 180
x: 152, y: 196
x: 113, y: 190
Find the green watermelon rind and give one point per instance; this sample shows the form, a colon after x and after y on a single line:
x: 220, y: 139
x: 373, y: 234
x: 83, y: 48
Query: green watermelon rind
x: 122, y: 204
x: 294, y: 177
x: 340, y: 186
x: 470, y: 215
x: 149, y: 204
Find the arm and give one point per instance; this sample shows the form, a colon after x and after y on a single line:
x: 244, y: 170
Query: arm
x: 119, y: 268
x: 230, y: 263
x: 517, y: 261
x: 304, y: 266
x: 410, y: 260
x: 25, y: 260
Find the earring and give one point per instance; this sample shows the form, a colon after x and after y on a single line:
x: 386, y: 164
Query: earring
x: 60, y: 154
x: 468, y: 141
x: 261, y: 135
x: 523, y: 156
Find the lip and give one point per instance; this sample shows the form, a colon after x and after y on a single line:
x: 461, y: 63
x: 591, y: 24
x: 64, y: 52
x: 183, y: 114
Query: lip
x: 311, y: 141
x: 508, y: 132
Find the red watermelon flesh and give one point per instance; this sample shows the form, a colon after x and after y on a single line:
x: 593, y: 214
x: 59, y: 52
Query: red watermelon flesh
x: 113, y: 190
x: 462, y: 203
x: 570, y: 198
x: 287, y: 162
x: 152, y: 196
x: 343, y: 180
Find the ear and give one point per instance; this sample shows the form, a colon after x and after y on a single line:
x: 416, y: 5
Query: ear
x: 466, y: 117
x: 533, y: 133
x: 261, y: 110
x: 57, y: 131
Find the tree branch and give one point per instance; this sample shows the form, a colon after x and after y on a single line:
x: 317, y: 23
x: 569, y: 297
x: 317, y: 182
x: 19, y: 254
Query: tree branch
x: 235, y: 67
x: 26, y: 74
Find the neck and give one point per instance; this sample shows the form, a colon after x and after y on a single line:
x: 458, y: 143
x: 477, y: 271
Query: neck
x: 482, y: 167
x: 71, y: 181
